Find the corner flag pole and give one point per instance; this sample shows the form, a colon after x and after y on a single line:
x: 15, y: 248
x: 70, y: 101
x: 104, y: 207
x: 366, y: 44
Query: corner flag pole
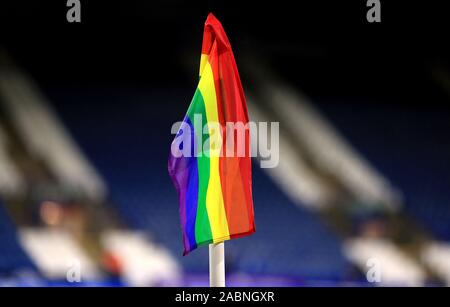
x: 217, y: 265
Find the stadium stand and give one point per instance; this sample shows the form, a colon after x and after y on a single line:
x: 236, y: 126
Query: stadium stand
x: 130, y: 159
x: 320, y: 174
x: 322, y: 146
x: 411, y: 148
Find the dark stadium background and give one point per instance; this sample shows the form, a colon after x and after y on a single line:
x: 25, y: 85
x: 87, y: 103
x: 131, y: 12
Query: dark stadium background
x: 126, y: 73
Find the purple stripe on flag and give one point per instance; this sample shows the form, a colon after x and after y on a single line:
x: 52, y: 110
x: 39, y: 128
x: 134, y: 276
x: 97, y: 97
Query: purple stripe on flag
x: 184, y: 174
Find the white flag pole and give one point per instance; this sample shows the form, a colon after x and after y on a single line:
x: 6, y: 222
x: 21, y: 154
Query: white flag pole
x: 217, y: 265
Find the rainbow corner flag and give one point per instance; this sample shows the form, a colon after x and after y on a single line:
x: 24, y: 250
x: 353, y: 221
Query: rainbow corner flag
x: 214, y: 189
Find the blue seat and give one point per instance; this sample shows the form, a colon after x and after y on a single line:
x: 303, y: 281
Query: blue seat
x: 12, y: 257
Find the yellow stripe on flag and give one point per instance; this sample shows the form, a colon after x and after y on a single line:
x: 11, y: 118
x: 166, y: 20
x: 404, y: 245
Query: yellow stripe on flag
x: 214, y: 199
x: 203, y: 60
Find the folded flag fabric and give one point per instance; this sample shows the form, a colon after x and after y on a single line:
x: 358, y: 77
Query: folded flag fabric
x: 213, y: 180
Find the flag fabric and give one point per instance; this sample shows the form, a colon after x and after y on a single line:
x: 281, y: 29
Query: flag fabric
x: 214, y: 183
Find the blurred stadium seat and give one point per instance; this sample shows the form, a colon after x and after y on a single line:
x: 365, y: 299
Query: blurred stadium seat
x: 13, y: 259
